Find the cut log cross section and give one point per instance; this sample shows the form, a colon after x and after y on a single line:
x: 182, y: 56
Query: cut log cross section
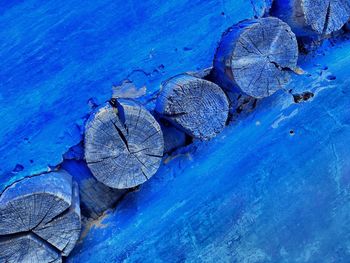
x: 39, y: 219
x: 321, y: 17
x: 196, y: 106
x: 256, y: 57
x: 123, y: 144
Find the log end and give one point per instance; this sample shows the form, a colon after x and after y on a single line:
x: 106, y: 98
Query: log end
x: 123, y: 144
x: 39, y: 218
x: 256, y: 57
x: 309, y: 17
x: 195, y: 106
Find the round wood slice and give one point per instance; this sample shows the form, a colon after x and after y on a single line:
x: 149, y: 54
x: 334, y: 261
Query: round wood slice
x: 27, y: 248
x: 123, y: 144
x: 256, y: 57
x: 33, y: 201
x: 196, y: 106
x: 39, y: 218
x: 313, y: 16
x: 63, y: 231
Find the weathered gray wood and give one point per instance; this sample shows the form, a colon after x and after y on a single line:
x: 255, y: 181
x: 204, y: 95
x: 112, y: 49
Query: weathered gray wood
x: 39, y: 218
x: 320, y: 17
x: 27, y: 248
x: 33, y: 201
x: 256, y: 57
x: 196, y: 106
x: 123, y: 144
x: 63, y: 231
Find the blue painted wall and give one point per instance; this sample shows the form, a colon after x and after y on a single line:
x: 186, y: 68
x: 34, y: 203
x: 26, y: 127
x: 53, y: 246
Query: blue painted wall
x: 60, y: 57
x: 273, y: 187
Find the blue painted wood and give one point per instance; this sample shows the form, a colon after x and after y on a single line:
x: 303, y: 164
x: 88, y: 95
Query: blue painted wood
x: 193, y: 105
x: 256, y: 57
x: 26, y: 248
x: 274, y: 187
x: 31, y: 201
x: 39, y: 218
x: 123, y: 144
x: 59, y: 58
x: 310, y: 17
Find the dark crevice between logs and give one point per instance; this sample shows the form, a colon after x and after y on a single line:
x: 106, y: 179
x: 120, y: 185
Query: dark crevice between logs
x: 305, y: 96
x: 240, y: 105
x: 310, y: 45
x: 307, y: 44
x: 123, y: 196
x: 168, y: 129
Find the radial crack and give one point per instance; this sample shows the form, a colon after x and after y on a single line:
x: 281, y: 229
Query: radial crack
x: 122, y: 136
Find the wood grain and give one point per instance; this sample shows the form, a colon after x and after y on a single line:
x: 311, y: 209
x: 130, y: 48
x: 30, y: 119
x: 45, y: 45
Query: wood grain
x: 256, y: 57
x: 196, y: 106
x: 39, y: 218
x: 320, y: 17
x: 123, y: 144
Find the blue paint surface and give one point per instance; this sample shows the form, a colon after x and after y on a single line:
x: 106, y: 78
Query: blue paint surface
x: 273, y: 187
x: 59, y: 56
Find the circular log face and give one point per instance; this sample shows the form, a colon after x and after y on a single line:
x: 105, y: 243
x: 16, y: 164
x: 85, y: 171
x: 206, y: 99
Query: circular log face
x: 32, y: 201
x: 257, y: 57
x: 306, y: 17
x: 39, y: 218
x: 63, y: 231
x: 196, y: 106
x: 326, y: 16
x: 123, y: 144
x: 27, y: 248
